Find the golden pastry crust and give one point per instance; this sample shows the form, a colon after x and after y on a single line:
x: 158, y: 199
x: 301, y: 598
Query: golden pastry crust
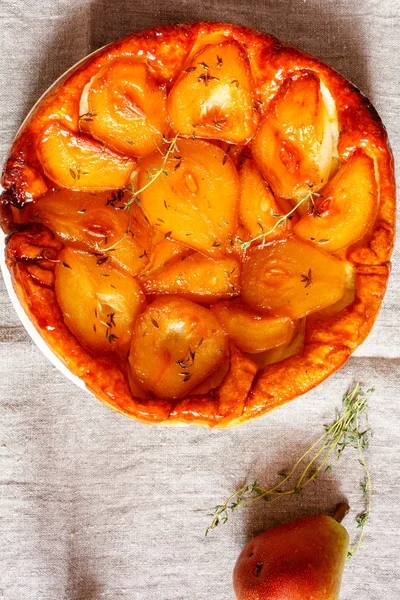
x: 246, y: 391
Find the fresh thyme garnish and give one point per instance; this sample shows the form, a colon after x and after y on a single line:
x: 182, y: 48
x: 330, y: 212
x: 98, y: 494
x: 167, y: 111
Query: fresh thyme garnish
x: 134, y: 194
x: 219, y: 61
x: 111, y: 338
x: 307, y: 279
x: 172, y: 147
x: 349, y: 430
x: 229, y: 273
x: 186, y: 376
x: 102, y: 260
x: 76, y: 174
x: 282, y: 219
x: 219, y: 123
x: 225, y: 158
x: 66, y: 265
x: 115, y: 197
x: 111, y: 318
x: 189, y: 69
x: 88, y: 116
x: 155, y: 323
x: 236, y: 82
x: 187, y: 361
x: 203, y: 64
x: 206, y: 78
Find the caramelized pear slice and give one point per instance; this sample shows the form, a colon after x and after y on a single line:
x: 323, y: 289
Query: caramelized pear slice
x: 294, y: 346
x: 162, y: 254
x: 195, y: 200
x: 213, y: 96
x: 258, y: 209
x: 204, y: 39
x: 291, y: 278
x: 293, y: 147
x: 250, y: 331
x: 99, y: 303
x: 125, y: 107
x: 347, y: 207
x: 79, y: 163
x: 212, y: 381
x: 197, y: 278
x: 93, y: 221
x: 175, y: 345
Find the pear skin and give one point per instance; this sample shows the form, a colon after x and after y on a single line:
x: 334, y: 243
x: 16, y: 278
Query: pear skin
x: 302, y: 560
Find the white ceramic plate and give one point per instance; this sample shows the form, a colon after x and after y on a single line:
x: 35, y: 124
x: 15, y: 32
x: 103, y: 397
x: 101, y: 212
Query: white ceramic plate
x: 25, y: 320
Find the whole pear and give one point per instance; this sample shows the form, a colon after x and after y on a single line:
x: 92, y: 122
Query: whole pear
x: 302, y: 560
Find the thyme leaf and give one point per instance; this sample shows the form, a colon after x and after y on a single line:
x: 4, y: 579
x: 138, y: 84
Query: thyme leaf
x: 307, y: 279
x: 283, y: 219
x: 206, y: 78
x: 349, y: 430
x: 87, y: 117
x: 134, y: 194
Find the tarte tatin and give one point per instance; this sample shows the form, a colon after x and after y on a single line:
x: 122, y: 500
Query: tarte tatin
x: 199, y: 222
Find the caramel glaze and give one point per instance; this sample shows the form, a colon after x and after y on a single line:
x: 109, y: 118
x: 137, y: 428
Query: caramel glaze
x: 246, y: 392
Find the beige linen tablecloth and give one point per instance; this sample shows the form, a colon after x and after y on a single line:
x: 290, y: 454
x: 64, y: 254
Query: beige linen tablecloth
x: 97, y: 507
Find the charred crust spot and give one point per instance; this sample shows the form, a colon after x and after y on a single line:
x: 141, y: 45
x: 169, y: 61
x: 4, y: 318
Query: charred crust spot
x: 32, y: 242
x: 13, y: 196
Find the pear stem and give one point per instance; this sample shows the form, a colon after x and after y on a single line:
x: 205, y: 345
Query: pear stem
x: 341, y: 511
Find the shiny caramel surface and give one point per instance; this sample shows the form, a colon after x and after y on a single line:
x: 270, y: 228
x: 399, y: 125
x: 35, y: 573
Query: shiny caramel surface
x: 200, y: 221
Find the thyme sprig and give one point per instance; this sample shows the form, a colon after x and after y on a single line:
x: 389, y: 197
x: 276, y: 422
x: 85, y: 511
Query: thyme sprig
x: 349, y: 430
x: 151, y: 177
x: 308, y: 198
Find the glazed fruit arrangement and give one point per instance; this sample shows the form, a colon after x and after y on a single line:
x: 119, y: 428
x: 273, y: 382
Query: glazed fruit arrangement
x: 200, y: 220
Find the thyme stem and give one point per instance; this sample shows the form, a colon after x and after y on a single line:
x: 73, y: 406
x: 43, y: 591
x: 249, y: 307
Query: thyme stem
x: 135, y: 193
x: 308, y: 197
x: 345, y: 431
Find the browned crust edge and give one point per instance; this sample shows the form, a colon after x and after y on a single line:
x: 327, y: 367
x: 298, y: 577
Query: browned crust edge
x: 245, y: 393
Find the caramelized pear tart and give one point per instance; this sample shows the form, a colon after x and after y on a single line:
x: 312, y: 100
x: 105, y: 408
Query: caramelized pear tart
x: 199, y: 221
